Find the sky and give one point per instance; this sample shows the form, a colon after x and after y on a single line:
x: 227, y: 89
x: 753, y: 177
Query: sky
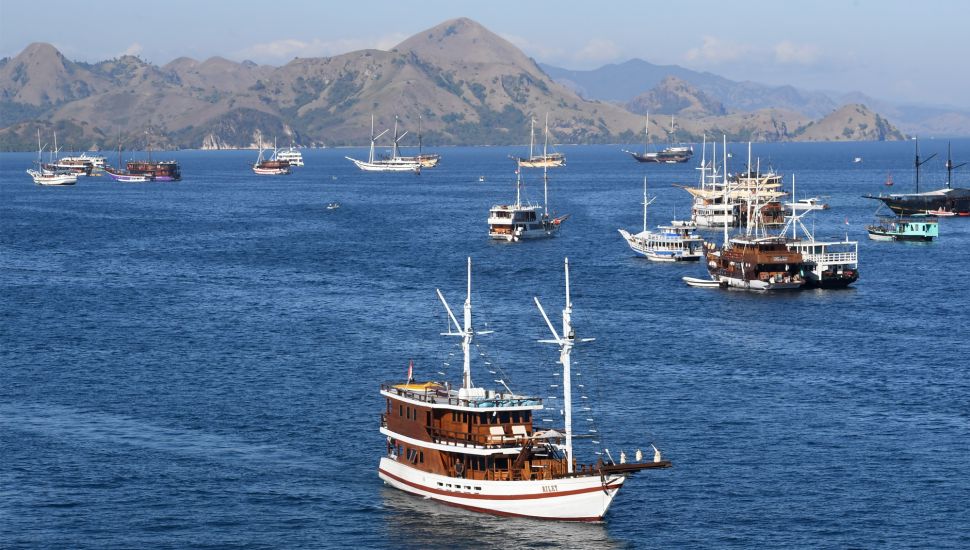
x: 898, y: 50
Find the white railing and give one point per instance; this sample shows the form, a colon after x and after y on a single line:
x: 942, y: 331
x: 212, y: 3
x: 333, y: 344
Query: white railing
x: 832, y: 258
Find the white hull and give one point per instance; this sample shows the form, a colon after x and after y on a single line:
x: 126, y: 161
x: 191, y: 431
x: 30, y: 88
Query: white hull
x: 759, y: 285
x: 271, y: 171
x: 656, y: 252
x: 52, y: 179
x: 386, y: 166
x: 713, y: 221
x: 585, y: 498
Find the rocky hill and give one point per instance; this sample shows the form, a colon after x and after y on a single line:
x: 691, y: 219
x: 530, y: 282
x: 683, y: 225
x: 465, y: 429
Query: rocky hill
x: 466, y: 85
x: 850, y: 123
x: 673, y: 96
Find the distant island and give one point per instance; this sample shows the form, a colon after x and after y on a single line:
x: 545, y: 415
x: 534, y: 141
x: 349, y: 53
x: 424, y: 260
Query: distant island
x: 467, y: 85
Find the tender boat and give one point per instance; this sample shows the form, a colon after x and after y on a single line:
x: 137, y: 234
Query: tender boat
x: 333, y: 206
x: 889, y: 228
x: 703, y: 283
x: 480, y: 449
x: 811, y: 203
x: 518, y: 221
x: 395, y: 163
x: 669, y: 243
x: 546, y: 159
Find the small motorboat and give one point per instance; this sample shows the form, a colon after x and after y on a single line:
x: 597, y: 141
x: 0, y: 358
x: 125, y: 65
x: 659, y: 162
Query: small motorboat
x: 481, y: 179
x: 702, y: 283
x: 333, y: 206
x: 940, y: 212
x: 857, y: 160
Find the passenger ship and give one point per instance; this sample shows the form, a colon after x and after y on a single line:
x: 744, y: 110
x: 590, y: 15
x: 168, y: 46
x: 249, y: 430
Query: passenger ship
x: 478, y: 449
x: 514, y: 222
x: 291, y: 155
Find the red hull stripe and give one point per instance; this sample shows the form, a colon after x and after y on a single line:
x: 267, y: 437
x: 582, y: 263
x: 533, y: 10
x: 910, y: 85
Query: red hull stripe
x: 490, y: 497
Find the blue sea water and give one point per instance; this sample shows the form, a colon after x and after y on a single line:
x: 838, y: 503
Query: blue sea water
x: 196, y: 364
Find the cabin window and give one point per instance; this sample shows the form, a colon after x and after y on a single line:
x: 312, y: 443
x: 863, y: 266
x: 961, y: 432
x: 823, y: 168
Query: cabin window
x: 421, y: 457
x: 526, y: 416
x: 400, y: 410
x: 464, y: 417
x: 515, y: 417
x: 407, y: 412
x: 505, y: 417
x: 427, y: 416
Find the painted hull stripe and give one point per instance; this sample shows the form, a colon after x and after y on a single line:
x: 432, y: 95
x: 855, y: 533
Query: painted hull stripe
x: 530, y: 496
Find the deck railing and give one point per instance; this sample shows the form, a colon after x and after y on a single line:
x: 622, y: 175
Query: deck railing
x: 442, y: 396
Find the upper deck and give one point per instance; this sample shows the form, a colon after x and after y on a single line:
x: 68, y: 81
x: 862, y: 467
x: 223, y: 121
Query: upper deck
x: 437, y: 396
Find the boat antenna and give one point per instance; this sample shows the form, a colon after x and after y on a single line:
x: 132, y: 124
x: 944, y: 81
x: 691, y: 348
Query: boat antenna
x: 949, y: 165
x: 565, y: 343
x: 794, y: 201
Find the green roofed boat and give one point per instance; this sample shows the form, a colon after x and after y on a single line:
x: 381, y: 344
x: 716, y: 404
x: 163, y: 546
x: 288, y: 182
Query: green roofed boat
x: 889, y: 228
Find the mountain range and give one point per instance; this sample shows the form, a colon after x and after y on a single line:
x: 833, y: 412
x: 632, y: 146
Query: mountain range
x: 462, y: 83
x: 621, y: 83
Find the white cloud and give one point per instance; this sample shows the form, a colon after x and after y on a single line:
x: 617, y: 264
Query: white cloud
x: 134, y: 49
x: 286, y: 49
x: 535, y: 50
x: 715, y: 50
x: 599, y: 50
x: 789, y: 53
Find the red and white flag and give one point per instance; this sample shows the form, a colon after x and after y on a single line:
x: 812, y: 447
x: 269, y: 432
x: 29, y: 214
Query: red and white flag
x: 410, y: 370
x: 846, y: 221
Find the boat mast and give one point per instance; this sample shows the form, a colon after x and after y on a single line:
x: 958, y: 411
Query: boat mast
x: 394, y: 145
x: 545, y: 143
x: 646, y: 135
x: 794, y: 202
x: 465, y: 332
x: 566, y: 343
x: 919, y: 163
x: 370, y: 156
x: 466, y: 341
x: 532, y: 137
x: 545, y: 190
x: 950, y: 167
x: 725, y: 181
x: 703, y: 167
x: 518, y: 187
x: 419, y: 137
x: 645, y: 203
